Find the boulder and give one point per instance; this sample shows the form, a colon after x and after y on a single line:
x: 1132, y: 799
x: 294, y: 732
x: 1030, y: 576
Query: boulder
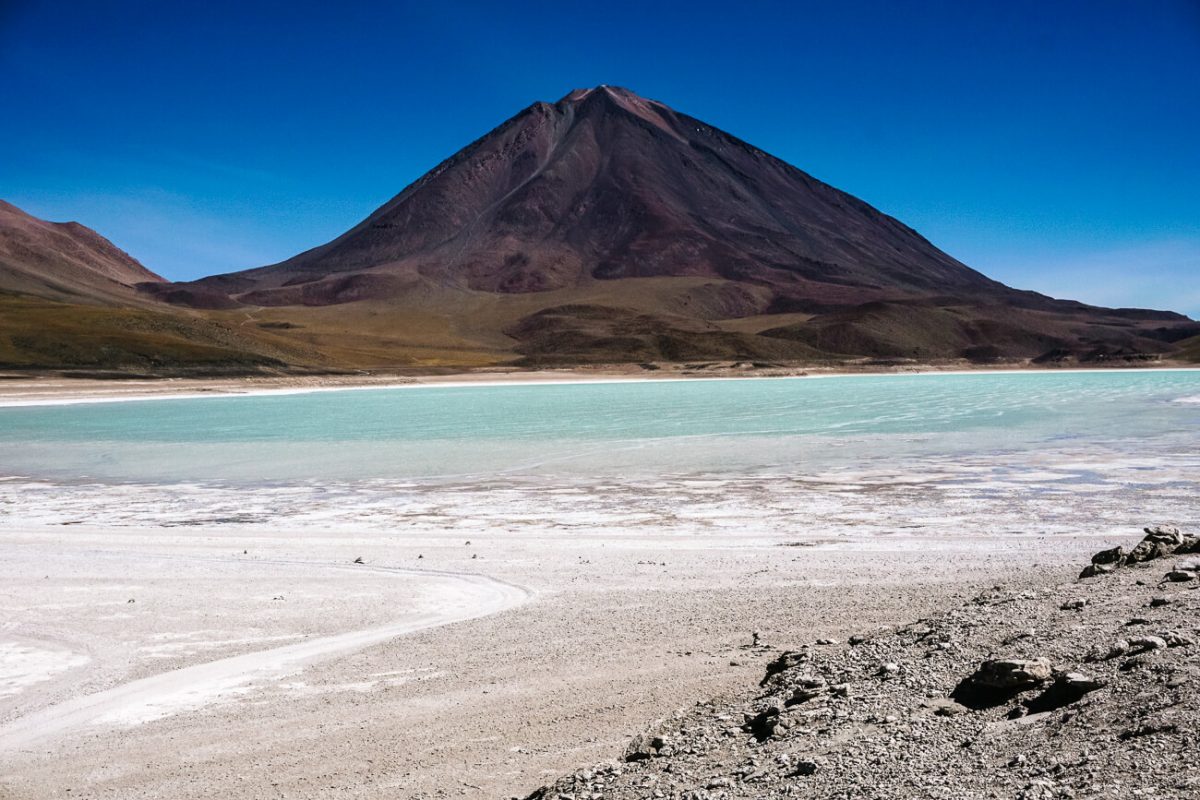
x: 1190, y: 544
x: 644, y: 746
x: 1167, y: 534
x: 999, y: 680
x: 1174, y: 639
x: 1012, y: 673
x: 1142, y: 644
x: 763, y: 724
x: 1115, y: 555
x: 1092, y: 570
x: 1148, y: 549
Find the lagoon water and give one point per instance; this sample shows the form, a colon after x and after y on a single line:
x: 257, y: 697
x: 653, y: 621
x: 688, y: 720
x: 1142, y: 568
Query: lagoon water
x: 597, y: 429
x: 1043, y: 444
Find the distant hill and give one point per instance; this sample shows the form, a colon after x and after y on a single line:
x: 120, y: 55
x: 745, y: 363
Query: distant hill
x: 64, y: 261
x: 69, y: 300
x: 606, y: 228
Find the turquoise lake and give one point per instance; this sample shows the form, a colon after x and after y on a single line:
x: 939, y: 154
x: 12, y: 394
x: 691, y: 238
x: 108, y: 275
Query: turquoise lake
x: 621, y: 429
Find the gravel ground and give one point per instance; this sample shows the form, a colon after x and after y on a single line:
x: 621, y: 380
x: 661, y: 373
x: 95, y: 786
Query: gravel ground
x: 1066, y: 689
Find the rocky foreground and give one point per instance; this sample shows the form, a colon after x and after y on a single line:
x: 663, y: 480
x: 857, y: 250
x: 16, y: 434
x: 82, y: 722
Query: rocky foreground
x: 1089, y: 688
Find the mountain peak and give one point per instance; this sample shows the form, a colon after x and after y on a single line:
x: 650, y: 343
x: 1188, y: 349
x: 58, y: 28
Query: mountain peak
x: 615, y: 92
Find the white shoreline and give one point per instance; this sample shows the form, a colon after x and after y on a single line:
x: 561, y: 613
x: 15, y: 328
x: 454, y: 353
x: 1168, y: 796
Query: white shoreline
x: 427, y: 383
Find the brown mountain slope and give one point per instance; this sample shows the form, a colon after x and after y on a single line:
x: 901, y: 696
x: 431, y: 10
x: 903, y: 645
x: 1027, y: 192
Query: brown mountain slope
x: 608, y: 227
x: 64, y: 261
x: 68, y: 300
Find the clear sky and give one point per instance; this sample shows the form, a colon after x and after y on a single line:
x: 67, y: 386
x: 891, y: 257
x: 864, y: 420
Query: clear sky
x: 1053, y: 145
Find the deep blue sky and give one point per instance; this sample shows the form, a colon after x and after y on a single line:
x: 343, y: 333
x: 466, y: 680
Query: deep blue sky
x: 1052, y: 145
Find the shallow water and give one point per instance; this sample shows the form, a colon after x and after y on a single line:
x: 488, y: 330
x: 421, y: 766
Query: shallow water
x: 1012, y: 452
x: 743, y: 426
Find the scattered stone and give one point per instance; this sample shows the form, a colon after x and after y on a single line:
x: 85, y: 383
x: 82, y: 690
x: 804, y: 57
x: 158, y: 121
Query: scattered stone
x: 1147, y: 729
x: 1180, y: 576
x: 1146, y: 643
x: 943, y: 707
x: 1174, y: 639
x: 1122, y: 726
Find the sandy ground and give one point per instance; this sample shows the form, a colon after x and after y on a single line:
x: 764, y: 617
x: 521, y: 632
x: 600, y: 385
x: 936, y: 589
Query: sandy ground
x: 264, y: 663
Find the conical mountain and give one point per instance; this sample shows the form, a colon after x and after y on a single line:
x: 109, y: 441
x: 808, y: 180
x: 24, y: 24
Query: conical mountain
x: 605, y: 184
x: 606, y: 226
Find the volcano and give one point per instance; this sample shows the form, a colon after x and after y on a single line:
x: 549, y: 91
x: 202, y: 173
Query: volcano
x: 609, y: 227
x: 606, y: 185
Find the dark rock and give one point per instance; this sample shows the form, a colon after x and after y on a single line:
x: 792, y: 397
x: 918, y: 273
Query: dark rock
x: 1115, y: 556
x: 784, y: 661
x: 1148, y: 550
x: 1092, y: 570
x: 1008, y: 673
x: 1144, y: 644
x: 644, y: 746
x: 999, y: 680
x: 1174, y: 639
x: 763, y: 724
x: 1147, y: 729
x: 1167, y: 534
